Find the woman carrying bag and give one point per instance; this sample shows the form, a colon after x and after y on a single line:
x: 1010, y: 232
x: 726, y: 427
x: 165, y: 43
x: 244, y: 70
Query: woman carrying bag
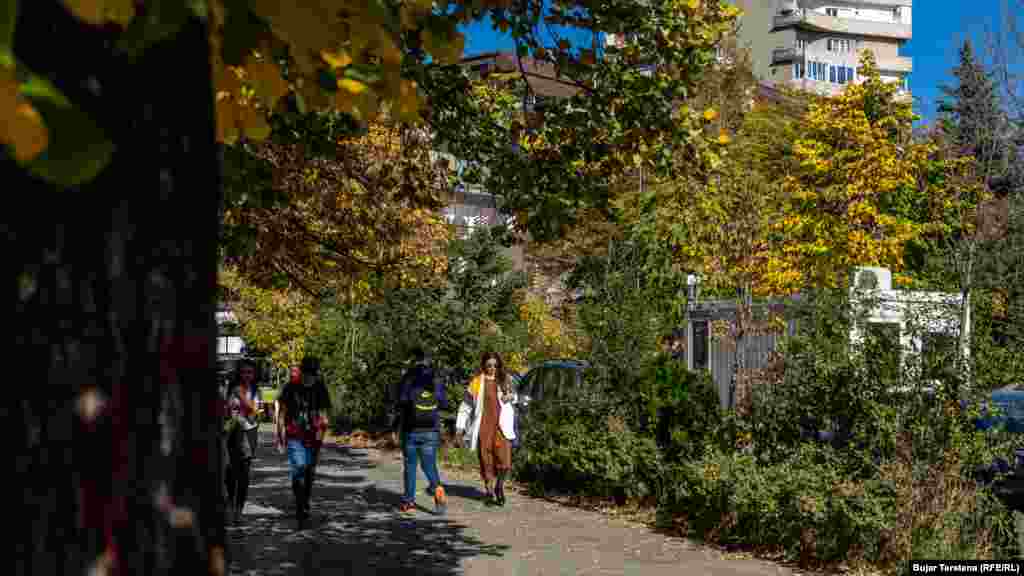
x: 242, y: 429
x: 487, y: 409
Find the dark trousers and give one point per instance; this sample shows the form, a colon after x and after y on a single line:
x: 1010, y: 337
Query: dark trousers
x: 239, y: 470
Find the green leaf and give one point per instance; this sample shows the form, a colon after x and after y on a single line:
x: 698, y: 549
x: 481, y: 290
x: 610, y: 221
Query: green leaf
x: 161, y: 20
x: 365, y: 73
x: 8, y: 22
x: 78, y: 148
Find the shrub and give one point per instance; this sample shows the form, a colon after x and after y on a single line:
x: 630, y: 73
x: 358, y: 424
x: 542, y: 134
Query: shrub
x: 679, y: 409
x: 586, y: 448
x: 803, y: 506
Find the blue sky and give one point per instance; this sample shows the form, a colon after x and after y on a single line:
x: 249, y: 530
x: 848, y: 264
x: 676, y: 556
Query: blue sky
x: 939, y: 28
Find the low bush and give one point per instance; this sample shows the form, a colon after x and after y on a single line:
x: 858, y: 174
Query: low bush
x: 679, y: 409
x: 587, y: 448
x: 804, y: 506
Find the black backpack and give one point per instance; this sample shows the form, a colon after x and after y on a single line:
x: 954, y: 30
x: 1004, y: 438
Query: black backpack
x: 421, y: 412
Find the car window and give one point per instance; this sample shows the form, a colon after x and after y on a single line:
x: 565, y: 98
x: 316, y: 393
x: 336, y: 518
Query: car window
x: 530, y: 384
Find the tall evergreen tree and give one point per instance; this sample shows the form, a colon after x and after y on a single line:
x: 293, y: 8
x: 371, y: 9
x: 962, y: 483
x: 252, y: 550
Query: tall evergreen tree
x: 976, y: 122
x: 973, y: 117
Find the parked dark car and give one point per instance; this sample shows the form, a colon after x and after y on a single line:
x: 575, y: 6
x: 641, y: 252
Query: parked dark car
x: 548, y: 382
x: 1007, y: 478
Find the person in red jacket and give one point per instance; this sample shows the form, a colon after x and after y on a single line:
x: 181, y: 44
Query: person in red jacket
x: 303, y: 423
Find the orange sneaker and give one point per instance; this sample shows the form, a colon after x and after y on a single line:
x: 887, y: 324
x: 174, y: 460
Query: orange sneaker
x: 440, y: 500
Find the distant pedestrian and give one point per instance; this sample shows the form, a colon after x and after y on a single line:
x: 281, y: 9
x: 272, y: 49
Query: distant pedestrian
x: 421, y: 396
x: 294, y: 377
x: 242, y: 435
x: 303, y: 422
x: 488, y: 409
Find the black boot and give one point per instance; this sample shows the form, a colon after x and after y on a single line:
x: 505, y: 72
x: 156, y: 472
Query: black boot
x: 499, y: 489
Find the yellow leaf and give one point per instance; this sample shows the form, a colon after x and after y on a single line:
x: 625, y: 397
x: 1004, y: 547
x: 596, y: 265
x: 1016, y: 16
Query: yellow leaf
x: 353, y: 87
x: 693, y: 4
x: 723, y: 137
x: 336, y: 60
x: 98, y: 12
x: 26, y: 133
x: 710, y: 114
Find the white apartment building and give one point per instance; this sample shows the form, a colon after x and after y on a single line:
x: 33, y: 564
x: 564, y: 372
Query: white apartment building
x: 816, y: 44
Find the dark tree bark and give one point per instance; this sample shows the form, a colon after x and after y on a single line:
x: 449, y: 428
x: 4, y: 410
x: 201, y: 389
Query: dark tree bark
x: 114, y: 292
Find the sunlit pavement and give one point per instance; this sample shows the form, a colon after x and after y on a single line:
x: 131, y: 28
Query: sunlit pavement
x: 356, y: 529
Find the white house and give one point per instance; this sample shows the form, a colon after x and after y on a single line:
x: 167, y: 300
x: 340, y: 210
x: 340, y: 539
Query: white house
x: 920, y: 321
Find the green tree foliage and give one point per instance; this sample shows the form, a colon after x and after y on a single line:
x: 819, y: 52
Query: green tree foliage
x: 974, y: 118
x: 366, y: 346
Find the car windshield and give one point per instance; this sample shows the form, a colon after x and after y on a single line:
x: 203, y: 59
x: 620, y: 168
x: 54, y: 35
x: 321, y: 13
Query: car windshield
x: 1010, y: 404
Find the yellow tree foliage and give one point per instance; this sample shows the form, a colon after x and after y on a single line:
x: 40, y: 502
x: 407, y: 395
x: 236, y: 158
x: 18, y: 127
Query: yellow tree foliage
x: 857, y: 164
x: 274, y: 321
x: 548, y: 336
x: 368, y: 215
x: 797, y: 202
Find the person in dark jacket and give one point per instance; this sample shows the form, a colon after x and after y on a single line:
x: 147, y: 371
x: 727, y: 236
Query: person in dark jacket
x: 303, y: 425
x: 420, y: 398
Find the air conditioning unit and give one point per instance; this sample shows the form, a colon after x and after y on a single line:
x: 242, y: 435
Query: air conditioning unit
x: 871, y: 278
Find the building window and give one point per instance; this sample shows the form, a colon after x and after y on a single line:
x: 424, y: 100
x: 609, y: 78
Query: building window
x: 842, y: 74
x: 840, y: 45
x: 833, y: 12
x: 832, y: 74
x: 849, y: 74
x: 896, y: 14
x: 798, y: 70
x: 800, y: 45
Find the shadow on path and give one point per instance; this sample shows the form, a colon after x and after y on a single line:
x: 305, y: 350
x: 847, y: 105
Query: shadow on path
x: 355, y: 529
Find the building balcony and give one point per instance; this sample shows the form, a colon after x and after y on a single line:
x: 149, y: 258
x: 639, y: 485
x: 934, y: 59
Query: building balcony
x: 822, y: 23
x: 900, y: 64
x: 784, y: 55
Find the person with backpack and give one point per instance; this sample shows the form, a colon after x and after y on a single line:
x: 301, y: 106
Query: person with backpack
x: 420, y: 398
x: 303, y: 424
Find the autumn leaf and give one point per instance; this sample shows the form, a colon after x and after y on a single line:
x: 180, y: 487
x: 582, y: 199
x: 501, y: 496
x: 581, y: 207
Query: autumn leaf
x: 710, y: 114
x: 98, y: 12
x: 21, y: 126
x: 353, y: 87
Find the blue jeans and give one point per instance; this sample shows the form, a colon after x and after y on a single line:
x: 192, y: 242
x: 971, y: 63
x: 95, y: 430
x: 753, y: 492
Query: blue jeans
x: 422, y: 445
x: 301, y: 460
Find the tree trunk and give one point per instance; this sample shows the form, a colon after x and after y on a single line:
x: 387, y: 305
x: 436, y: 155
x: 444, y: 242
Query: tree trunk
x: 964, y: 329
x: 114, y: 301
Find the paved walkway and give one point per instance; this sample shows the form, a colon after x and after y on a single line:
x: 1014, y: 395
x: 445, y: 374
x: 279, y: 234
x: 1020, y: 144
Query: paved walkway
x: 357, y: 530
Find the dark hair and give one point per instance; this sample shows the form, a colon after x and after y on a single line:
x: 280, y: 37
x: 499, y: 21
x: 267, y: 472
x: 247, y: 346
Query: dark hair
x: 311, y: 364
x: 500, y: 376
x: 236, y: 378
